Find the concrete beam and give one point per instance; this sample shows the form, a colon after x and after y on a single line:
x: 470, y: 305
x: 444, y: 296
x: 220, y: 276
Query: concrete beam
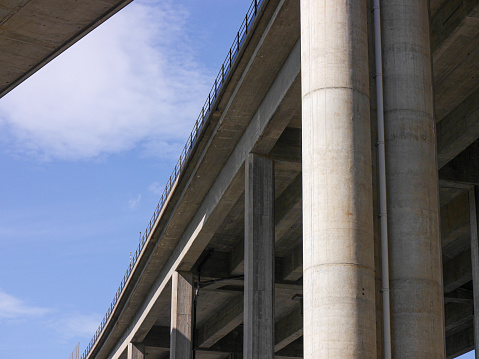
x: 231, y: 343
x: 218, y: 329
x: 158, y: 337
x: 288, y: 146
x: 456, y: 23
x: 459, y: 343
x: 181, y: 330
x: 215, y: 281
x: 236, y: 262
x: 288, y: 329
x: 454, y: 225
x: 221, y: 323
x: 464, y: 167
x: 288, y: 208
x: 292, y: 351
x: 457, y: 271
x: 136, y: 351
x: 293, y: 264
x: 458, y: 315
x: 214, y: 264
x: 231, y: 346
x: 458, y: 130
x: 454, y: 185
x: 450, y: 16
x: 461, y: 296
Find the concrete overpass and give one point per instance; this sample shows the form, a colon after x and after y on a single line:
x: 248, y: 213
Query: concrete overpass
x: 266, y: 242
x: 221, y: 271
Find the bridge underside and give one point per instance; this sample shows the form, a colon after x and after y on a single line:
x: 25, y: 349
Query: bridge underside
x: 202, y: 233
x: 34, y: 32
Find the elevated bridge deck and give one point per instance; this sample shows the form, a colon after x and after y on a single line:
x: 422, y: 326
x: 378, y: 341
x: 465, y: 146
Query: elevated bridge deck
x: 196, y: 241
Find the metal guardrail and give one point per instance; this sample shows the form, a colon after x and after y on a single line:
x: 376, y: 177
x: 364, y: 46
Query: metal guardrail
x: 185, y: 153
x: 76, y: 352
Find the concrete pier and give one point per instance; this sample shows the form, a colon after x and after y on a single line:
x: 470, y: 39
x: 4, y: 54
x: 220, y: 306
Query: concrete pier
x: 258, y: 339
x: 338, y: 244
x: 417, y: 318
x: 181, y: 344
x: 135, y: 351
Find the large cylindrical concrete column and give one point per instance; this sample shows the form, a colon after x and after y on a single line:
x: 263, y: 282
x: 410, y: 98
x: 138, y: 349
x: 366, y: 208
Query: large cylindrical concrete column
x: 417, y: 320
x: 338, y: 244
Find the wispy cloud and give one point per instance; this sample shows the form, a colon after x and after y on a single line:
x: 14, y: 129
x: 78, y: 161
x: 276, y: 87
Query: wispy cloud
x: 68, y: 325
x: 15, y: 308
x: 130, y: 83
x: 135, y: 202
x: 76, y: 325
x: 156, y: 187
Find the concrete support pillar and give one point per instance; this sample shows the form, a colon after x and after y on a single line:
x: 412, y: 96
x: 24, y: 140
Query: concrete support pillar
x: 474, y: 220
x: 135, y: 351
x: 338, y: 240
x: 417, y: 309
x: 181, y: 345
x: 258, y: 339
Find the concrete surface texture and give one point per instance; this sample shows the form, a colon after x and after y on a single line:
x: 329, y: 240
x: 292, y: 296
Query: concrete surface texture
x: 272, y: 215
x: 136, y: 351
x: 181, y: 315
x: 34, y: 32
x: 338, y: 245
x: 417, y: 317
x: 259, y: 258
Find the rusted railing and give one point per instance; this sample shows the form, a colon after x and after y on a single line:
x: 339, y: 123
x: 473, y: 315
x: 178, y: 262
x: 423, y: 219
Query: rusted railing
x: 180, y: 164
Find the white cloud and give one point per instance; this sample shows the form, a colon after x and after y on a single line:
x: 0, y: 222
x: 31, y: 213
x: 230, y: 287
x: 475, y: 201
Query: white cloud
x: 130, y: 83
x: 14, y: 308
x: 157, y: 188
x: 75, y: 325
x: 69, y: 325
x: 135, y: 202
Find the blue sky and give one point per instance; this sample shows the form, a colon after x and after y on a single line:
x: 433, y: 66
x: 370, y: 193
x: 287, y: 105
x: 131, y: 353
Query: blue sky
x: 86, y: 146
